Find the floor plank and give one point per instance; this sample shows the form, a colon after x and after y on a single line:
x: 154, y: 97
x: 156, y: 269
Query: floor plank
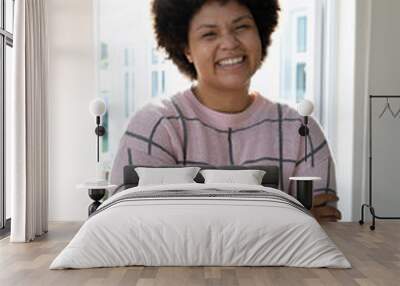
x: 375, y: 257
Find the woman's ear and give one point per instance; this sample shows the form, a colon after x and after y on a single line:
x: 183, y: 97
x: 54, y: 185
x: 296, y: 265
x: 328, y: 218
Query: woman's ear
x: 188, y: 55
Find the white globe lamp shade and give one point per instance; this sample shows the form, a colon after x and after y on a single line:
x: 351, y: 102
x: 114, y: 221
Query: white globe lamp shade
x: 305, y: 107
x: 97, y: 107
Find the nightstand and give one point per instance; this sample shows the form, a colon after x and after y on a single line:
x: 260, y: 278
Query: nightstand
x: 96, y: 193
x: 305, y: 190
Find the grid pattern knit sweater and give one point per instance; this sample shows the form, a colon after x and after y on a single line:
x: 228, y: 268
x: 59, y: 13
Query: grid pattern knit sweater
x: 181, y: 130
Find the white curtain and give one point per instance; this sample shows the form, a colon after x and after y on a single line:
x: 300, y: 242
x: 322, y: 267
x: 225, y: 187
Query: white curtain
x: 29, y: 159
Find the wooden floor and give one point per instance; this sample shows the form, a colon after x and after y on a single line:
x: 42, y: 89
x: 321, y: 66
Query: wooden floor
x: 375, y: 257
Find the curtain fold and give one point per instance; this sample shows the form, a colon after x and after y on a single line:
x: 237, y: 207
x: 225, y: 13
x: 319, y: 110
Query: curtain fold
x: 29, y: 158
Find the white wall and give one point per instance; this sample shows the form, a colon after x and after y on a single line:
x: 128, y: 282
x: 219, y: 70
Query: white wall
x: 385, y: 48
x: 360, y: 160
x: 71, y: 87
x: 369, y: 63
x: 384, y: 79
x: 344, y: 118
x: 349, y: 108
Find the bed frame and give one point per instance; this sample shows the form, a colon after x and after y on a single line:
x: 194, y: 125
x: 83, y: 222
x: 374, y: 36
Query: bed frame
x: 270, y: 179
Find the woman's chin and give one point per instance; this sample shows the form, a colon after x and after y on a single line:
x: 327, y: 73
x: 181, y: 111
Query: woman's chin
x: 234, y: 83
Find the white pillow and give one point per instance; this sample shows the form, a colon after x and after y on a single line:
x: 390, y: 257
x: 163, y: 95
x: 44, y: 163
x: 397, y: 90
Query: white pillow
x: 248, y: 177
x: 162, y: 176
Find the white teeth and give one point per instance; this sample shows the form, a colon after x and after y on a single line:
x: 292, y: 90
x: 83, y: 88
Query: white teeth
x: 231, y: 61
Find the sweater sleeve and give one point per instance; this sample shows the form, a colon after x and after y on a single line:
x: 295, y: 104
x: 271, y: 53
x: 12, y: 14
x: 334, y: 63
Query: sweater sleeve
x: 319, y: 161
x: 147, y: 140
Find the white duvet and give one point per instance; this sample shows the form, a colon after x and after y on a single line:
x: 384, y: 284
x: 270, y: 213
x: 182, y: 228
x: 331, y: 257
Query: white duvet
x: 207, y: 230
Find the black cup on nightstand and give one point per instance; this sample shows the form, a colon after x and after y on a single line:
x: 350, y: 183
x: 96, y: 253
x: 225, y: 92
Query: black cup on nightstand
x: 96, y: 190
x: 305, y: 193
x: 305, y: 190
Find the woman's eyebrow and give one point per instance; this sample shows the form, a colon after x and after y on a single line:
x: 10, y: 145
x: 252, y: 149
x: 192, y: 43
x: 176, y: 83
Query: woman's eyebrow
x: 247, y: 16
x: 206, y: 26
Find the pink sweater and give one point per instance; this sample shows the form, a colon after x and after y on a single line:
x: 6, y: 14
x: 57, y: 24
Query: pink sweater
x: 181, y: 130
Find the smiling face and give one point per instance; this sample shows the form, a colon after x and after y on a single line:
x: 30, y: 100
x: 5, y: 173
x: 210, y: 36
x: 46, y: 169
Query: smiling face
x: 224, y: 45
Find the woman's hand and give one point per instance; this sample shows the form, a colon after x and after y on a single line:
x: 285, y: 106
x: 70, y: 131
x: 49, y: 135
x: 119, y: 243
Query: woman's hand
x: 324, y: 212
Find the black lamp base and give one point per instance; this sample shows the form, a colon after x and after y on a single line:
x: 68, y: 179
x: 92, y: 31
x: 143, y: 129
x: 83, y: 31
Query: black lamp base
x: 96, y: 195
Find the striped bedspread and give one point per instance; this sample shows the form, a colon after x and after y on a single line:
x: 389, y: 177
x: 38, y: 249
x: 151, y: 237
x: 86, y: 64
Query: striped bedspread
x: 198, y: 225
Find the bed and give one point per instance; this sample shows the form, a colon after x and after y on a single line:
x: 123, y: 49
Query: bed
x: 201, y: 224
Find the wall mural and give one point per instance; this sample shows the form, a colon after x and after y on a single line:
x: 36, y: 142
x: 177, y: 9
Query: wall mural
x: 131, y: 71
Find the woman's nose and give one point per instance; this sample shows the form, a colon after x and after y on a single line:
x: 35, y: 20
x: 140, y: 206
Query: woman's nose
x: 229, y: 41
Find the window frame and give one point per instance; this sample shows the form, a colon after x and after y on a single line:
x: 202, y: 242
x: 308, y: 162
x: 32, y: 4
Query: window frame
x: 6, y: 39
x: 329, y: 68
x: 158, y: 68
x: 299, y: 57
x: 128, y: 74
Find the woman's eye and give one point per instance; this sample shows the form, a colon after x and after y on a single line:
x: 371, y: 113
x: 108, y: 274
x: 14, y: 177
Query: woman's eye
x: 242, y: 27
x: 209, y: 35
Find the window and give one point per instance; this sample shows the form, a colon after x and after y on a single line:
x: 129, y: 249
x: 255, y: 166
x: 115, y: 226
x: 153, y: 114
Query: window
x: 291, y: 72
x: 129, y: 80
x: 294, y: 68
x: 300, y: 81
x: 6, y: 44
x: 301, y: 34
x: 158, y: 73
x: 298, y: 59
x: 300, y: 56
x: 154, y: 84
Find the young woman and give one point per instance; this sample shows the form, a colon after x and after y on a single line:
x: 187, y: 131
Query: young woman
x: 220, y: 45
